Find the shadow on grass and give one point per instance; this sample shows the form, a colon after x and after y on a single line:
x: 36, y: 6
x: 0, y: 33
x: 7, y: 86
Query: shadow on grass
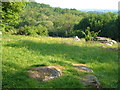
x: 20, y: 79
x: 69, y: 52
x: 15, y: 77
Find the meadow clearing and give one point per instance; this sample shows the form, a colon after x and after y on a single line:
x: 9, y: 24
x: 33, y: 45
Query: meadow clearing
x: 19, y: 53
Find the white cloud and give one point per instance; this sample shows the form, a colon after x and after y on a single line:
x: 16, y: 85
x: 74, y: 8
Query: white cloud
x: 82, y: 4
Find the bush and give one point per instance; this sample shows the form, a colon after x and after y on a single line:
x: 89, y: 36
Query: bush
x: 33, y: 30
x: 78, y: 33
x: 27, y: 30
x: 89, y: 35
x: 42, y: 31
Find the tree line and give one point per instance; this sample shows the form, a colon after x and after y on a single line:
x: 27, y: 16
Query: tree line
x: 31, y: 18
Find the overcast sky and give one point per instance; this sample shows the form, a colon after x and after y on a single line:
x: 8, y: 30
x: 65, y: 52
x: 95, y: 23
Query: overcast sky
x: 82, y: 4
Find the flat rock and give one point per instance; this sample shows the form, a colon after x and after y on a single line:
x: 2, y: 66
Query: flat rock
x: 45, y: 73
x: 90, y: 81
x: 82, y: 68
x: 105, y: 40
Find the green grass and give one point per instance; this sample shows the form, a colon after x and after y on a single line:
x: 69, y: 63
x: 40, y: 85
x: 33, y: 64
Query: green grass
x: 22, y: 52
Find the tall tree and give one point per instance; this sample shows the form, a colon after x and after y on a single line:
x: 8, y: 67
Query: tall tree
x: 106, y: 22
x: 10, y: 13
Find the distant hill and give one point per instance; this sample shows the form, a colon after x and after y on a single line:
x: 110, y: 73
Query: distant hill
x: 44, y: 20
x: 98, y: 10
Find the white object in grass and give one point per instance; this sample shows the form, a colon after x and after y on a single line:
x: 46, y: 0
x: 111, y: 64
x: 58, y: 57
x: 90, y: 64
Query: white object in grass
x: 76, y: 38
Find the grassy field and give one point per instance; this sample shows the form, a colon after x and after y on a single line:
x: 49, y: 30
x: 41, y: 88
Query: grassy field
x: 21, y: 52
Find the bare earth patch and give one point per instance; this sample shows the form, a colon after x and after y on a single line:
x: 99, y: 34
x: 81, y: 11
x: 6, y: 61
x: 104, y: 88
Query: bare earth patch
x: 45, y: 73
x: 6, y: 39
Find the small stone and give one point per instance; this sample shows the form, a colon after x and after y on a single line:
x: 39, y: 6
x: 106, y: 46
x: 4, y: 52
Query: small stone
x: 108, y: 44
x: 113, y: 41
x: 76, y: 38
x: 82, y: 68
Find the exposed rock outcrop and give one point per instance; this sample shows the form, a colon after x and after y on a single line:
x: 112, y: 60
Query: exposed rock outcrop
x: 45, y: 73
x: 90, y: 81
x: 104, y: 40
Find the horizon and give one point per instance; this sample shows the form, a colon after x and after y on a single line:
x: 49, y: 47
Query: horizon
x: 76, y: 4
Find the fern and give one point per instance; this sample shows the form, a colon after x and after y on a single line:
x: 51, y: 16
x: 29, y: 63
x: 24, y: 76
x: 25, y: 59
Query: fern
x: 89, y: 35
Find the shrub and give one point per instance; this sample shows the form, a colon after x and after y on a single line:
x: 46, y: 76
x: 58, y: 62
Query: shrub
x: 89, y: 35
x: 33, y: 30
x: 77, y: 33
x: 27, y: 30
x: 42, y: 31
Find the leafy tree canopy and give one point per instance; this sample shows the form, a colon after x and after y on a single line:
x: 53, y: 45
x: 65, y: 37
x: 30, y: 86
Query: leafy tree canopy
x: 10, y: 12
